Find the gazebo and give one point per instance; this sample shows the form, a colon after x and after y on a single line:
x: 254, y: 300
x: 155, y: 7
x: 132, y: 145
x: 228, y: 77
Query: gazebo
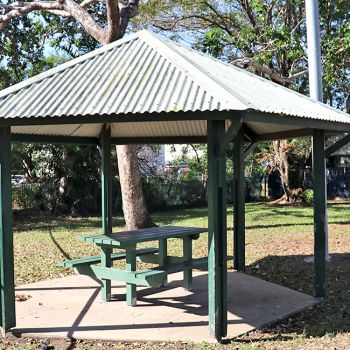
x: 147, y: 89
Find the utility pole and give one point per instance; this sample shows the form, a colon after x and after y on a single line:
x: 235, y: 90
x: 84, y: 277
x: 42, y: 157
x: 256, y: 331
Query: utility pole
x: 315, y: 68
x: 314, y: 49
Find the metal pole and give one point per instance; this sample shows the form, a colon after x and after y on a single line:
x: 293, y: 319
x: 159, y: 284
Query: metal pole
x: 7, y: 290
x: 217, y: 245
x: 106, y: 186
x: 320, y: 211
x: 239, y: 203
x: 106, y: 180
x: 314, y: 49
x: 315, y: 67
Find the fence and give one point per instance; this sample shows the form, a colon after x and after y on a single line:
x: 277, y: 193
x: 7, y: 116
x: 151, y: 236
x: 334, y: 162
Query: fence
x: 338, y: 182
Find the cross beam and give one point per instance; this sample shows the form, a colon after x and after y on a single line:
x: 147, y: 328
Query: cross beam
x: 281, y: 135
x: 230, y: 134
x: 250, y: 149
x: 54, y: 139
x: 337, y: 145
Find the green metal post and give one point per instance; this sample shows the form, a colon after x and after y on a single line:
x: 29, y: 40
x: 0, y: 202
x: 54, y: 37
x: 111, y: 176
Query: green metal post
x: 7, y: 292
x: 131, y: 298
x: 106, y: 179
x: 163, y: 257
x: 239, y: 203
x: 320, y: 210
x: 106, y: 261
x: 217, y: 262
x: 106, y: 185
x: 187, y: 254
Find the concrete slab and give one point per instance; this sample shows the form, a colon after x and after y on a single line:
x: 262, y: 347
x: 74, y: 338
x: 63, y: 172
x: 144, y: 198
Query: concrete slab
x: 71, y: 307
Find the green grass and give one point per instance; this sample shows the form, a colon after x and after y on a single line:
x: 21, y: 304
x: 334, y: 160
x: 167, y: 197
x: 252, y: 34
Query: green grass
x: 278, y: 239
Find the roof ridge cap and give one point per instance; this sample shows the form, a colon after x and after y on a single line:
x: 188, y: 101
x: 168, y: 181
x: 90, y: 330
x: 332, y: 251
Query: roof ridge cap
x: 228, y: 96
x: 52, y: 71
x: 267, y: 81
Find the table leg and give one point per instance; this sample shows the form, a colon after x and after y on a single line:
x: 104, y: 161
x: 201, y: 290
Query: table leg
x: 163, y: 254
x: 106, y: 261
x: 131, y: 266
x: 187, y: 254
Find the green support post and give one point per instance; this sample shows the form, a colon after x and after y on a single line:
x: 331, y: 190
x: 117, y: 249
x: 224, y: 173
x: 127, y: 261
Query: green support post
x: 320, y: 210
x: 163, y: 257
x: 239, y: 203
x: 106, y: 261
x: 7, y: 291
x: 106, y: 185
x: 131, y: 298
x: 217, y: 262
x: 187, y: 254
x: 106, y: 179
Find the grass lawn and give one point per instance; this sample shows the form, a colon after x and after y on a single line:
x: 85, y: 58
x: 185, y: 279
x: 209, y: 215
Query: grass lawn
x: 278, y: 240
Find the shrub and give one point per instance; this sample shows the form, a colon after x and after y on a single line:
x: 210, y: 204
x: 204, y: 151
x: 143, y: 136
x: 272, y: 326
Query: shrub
x: 308, y: 197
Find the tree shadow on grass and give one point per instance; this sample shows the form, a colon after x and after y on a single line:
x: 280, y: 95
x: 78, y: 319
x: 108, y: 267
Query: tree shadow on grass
x: 330, y: 316
x: 50, y: 222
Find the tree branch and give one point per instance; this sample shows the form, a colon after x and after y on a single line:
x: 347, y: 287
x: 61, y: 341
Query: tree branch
x: 248, y: 62
x: 87, y: 21
x: 113, y: 19
x: 18, y: 9
x: 127, y: 9
x: 119, y: 13
x: 66, y: 8
x: 347, y: 105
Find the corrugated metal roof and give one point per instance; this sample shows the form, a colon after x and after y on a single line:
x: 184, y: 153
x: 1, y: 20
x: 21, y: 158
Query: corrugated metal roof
x: 148, y: 73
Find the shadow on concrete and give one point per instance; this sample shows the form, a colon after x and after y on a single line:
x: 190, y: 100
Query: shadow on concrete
x: 28, y: 289
x: 83, y: 312
x: 253, y: 302
x: 330, y: 316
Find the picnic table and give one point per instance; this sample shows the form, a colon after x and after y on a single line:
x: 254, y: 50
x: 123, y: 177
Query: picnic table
x: 101, y: 266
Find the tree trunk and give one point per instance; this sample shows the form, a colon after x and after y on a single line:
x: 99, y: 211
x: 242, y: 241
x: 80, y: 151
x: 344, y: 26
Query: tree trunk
x: 282, y: 166
x: 134, y: 207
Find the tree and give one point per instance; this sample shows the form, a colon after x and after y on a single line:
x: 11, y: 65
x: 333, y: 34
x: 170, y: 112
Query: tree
x: 105, y: 22
x: 267, y: 37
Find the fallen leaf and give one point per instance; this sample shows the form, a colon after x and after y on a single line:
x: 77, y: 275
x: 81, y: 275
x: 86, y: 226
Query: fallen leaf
x: 22, y: 297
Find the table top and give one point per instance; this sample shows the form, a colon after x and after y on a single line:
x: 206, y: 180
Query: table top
x: 125, y: 238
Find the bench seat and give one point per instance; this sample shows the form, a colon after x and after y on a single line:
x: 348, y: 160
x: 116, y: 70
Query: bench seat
x: 144, y: 277
x: 91, y: 260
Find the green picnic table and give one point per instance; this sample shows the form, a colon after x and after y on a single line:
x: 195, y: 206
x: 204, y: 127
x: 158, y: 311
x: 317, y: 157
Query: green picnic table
x: 100, y: 266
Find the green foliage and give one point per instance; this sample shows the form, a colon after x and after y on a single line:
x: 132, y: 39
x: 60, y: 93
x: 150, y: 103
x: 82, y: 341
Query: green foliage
x: 25, y: 196
x: 61, y: 178
x: 272, y: 33
x: 213, y: 42
x: 21, y: 51
x: 308, y: 197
